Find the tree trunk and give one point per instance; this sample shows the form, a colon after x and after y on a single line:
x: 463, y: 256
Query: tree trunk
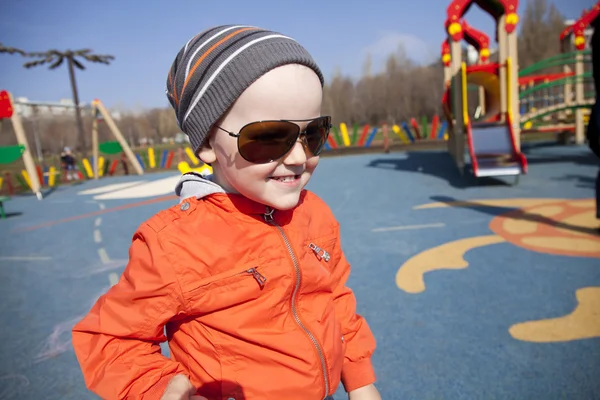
x: 82, y: 143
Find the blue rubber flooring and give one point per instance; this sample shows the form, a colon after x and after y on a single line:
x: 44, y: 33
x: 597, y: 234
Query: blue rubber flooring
x: 450, y: 341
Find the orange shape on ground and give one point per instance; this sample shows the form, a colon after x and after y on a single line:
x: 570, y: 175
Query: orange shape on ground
x: 566, y: 227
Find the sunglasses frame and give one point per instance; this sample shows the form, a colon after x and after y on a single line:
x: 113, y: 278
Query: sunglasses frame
x: 300, y: 133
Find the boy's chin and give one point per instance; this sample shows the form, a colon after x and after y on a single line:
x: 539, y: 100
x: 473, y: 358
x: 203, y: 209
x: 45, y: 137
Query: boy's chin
x: 283, y: 203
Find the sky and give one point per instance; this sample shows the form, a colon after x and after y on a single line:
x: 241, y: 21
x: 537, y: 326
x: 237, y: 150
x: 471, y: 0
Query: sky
x: 145, y: 36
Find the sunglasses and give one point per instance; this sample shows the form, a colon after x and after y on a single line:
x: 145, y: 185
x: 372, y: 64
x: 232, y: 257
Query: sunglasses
x: 266, y: 141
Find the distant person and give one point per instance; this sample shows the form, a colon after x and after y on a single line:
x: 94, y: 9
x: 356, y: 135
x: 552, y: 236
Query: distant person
x: 69, y: 165
x: 593, y: 128
x: 247, y: 273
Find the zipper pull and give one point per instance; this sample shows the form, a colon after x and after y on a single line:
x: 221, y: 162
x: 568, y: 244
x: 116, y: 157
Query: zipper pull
x: 268, y: 215
x: 321, y: 254
x: 258, y: 277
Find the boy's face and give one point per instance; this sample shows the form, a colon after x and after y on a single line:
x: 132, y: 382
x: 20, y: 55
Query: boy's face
x: 291, y: 92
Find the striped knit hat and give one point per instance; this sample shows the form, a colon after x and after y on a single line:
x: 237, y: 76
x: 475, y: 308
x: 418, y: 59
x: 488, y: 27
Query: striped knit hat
x: 213, y: 69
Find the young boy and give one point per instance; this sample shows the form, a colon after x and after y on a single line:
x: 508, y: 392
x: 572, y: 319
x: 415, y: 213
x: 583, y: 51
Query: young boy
x: 247, y: 273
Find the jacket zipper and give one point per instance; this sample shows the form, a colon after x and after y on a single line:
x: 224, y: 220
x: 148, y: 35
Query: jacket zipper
x: 269, y: 219
x: 321, y: 254
x: 260, y: 278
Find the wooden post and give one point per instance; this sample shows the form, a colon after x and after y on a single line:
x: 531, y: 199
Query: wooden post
x: 512, y: 77
x: 117, y: 133
x: 27, y: 158
x: 568, y: 88
x: 502, y: 55
x: 95, y: 140
x: 579, y: 97
x: 447, y: 76
x: 456, y: 142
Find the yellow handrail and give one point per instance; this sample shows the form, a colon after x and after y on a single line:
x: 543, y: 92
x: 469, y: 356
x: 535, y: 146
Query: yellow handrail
x: 508, y: 88
x: 465, y: 106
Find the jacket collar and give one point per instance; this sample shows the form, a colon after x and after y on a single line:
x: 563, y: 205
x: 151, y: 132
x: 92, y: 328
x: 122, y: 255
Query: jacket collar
x: 199, y: 187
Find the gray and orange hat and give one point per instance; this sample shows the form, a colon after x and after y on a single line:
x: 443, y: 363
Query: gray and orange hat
x: 214, y: 67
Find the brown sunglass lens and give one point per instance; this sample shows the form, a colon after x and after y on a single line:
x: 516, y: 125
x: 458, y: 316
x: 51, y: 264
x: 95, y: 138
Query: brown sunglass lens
x: 262, y: 142
x: 316, y: 135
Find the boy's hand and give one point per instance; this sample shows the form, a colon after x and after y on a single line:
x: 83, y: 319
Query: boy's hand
x: 180, y: 388
x: 368, y: 392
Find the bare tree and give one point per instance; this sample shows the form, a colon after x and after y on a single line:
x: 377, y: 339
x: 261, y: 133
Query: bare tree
x: 56, y: 58
x: 540, y: 28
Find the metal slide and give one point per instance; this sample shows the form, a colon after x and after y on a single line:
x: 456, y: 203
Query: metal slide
x: 493, y: 150
x: 492, y: 145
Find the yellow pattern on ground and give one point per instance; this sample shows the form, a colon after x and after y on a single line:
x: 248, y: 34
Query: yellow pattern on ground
x: 446, y: 256
x: 582, y: 323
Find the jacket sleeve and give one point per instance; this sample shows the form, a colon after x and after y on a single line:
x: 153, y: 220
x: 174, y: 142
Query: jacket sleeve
x: 117, y: 342
x: 357, y: 370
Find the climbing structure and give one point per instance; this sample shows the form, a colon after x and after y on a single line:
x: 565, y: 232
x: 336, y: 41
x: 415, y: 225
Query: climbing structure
x: 493, y: 140
x: 579, y: 93
x: 481, y: 43
x: 7, y: 111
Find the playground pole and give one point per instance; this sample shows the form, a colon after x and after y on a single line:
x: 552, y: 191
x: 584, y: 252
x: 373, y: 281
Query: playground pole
x: 447, y: 75
x: 579, y: 124
x: 513, y: 76
x: 17, y: 124
x: 502, y: 56
x: 568, y: 88
x: 456, y: 142
x: 119, y: 136
x: 95, y: 140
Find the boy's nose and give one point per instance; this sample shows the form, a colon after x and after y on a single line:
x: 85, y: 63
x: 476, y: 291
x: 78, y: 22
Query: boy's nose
x: 297, y: 155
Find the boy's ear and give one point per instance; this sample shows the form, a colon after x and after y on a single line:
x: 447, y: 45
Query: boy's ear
x: 206, y: 153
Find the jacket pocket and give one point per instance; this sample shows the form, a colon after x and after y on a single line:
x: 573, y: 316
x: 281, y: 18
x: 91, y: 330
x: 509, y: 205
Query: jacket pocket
x: 233, y: 276
x: 227, y: 289
x: 321, y: 249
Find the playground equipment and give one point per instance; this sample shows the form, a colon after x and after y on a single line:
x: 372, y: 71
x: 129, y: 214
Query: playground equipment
x: 98, y: 110
x: 22, y: 150
x: 576, y: 62
x: 493, y: 140
x: 549, y: 100
x: 481, y: 43
x: 575, y: 35
x: 557, y: 101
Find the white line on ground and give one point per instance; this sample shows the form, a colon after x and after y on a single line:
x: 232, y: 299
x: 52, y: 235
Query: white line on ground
x: 102, y: 206
x: 103, y: 255
x: 109, y: 188
x: 409, y: 227
x: 24, y: 258
x: 113, y: 278
x: 97, y: 236
x: 98, y: 222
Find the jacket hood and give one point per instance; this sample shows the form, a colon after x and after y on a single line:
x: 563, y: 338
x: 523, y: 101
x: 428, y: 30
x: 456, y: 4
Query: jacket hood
x: 196, y: 185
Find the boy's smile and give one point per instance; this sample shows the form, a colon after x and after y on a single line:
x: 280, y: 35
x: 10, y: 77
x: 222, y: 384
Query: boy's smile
x: 291, y: 92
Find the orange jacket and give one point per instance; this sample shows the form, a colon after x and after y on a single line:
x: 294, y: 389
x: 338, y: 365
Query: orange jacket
x: 255, y: 307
